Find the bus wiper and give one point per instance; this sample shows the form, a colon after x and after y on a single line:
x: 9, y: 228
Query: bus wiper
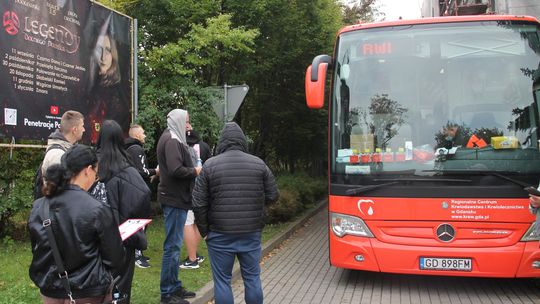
x: 393, y: 181
x: 423, y: 180
x: 363, y: 189
x: 484, y: 172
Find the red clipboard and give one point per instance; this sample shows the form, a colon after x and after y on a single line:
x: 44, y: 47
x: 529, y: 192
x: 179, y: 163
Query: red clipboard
x: 129, y: 227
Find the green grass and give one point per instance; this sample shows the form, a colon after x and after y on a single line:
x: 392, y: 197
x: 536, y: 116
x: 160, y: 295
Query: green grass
x: 16, y: 286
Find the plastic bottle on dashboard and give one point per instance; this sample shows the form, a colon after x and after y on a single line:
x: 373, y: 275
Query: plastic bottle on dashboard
x: 366, y: 156
x: 377, y: 156
x: 400, y: 155
x: 388, y: 156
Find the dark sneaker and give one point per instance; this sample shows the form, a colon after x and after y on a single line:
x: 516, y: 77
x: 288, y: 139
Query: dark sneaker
x: 145, y: 258
x: 172, y: 299
x: 200, y: 259
x: 184, y: 293
x: 187, y: 264
x: 142, y: 263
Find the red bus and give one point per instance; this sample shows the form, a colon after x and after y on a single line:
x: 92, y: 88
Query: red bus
x: 434, y: 131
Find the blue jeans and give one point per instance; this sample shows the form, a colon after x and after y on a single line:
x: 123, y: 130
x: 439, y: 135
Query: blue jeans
x: 175, y: 218
x: 222, y: 249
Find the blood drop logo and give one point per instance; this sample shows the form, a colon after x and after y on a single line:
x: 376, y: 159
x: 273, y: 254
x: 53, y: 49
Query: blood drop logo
x: 366, y: 207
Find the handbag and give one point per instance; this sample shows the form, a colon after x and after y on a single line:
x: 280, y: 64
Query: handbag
x: 62, y: 272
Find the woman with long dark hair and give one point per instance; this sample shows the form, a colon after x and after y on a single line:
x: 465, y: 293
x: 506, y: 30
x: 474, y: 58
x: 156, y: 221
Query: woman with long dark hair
x: 127, y: 193
x: 90, y: 247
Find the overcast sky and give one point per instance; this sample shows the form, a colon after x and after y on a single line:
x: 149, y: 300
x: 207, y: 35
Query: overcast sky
x: 407, y: 9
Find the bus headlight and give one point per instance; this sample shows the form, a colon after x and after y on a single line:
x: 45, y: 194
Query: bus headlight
x: 345, y: 224
x: 530, y: 235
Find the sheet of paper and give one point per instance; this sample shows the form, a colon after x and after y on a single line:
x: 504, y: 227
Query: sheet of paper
x: 129, y: 227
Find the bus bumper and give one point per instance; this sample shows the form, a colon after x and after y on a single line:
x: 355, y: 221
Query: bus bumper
x: 370, y: 254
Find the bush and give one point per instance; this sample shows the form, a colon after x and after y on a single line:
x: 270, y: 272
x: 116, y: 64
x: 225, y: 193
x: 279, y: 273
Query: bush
x: 287, y: 207
x: 297, y: 193
x: 16, y: 184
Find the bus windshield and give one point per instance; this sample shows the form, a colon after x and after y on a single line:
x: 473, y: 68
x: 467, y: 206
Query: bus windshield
x: 436, y: 102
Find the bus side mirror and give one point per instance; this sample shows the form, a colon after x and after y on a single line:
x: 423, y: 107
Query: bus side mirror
x: 316, y: 80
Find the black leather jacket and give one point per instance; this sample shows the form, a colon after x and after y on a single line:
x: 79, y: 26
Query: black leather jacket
x: 88, y: 240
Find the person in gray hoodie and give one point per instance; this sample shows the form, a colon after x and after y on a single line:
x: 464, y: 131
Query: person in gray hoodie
x: 177, y: 177
x: 70, y: 132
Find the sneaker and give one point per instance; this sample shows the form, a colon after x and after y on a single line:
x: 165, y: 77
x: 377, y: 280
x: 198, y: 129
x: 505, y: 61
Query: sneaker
x: 172, y: 299
x: 200, y: 258
x: 187, y: 264
x: 145, y: 258
x: 184, y: 293
x: 142, y: 263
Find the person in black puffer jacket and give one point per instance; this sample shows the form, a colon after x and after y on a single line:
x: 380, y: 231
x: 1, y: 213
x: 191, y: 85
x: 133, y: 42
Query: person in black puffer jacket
x: 127, y: 194
x: 84, y: 229
x: 229, y: 204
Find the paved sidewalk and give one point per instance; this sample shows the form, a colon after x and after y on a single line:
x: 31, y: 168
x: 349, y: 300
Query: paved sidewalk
x: 299, y: 272
x: 206, y: 293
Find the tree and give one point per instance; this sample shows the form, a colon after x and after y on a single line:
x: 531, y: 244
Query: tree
x: 179, y: 71
x: 387, y: 116
x: 187, y: 45
x: 202, y: 52
x: 284, y: 131
x: 360, y: 11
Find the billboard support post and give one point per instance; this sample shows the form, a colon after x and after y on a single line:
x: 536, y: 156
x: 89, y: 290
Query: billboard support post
x: 135, y: 72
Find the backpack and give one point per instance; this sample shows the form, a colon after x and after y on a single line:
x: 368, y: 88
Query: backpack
x: 38, y: 177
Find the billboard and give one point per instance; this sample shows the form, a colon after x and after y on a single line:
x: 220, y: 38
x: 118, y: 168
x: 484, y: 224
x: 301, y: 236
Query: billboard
x: 59, y: 55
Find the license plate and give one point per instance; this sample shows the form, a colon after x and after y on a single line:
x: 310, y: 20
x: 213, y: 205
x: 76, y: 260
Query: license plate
x: 445, y: 264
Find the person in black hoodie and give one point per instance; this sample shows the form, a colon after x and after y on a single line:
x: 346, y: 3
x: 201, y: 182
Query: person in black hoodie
x: 127, y: 194
x: 134, y: 147
x: 229, y: 199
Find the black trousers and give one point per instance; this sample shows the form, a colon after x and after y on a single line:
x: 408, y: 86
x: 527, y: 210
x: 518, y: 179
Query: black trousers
x: 126, y: 273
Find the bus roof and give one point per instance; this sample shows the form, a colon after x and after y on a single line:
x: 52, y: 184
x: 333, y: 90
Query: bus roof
x: 433, y: 20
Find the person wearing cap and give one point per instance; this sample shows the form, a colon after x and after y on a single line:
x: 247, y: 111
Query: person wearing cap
x: 192, y: 237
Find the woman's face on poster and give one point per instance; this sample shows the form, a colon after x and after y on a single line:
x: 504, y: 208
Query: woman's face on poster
x: 103, y: 54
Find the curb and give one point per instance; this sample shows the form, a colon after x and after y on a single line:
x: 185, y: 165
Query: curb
x: 206, y: 293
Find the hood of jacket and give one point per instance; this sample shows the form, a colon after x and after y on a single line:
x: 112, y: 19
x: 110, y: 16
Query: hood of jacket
x: 176, y: 122
x: 232, y: 138
x: 192, y: 137
x: 130, y: 141
x: 58, y: 138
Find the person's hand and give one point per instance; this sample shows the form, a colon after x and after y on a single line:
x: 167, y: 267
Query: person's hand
x: 157, y: 171
x: 534, y: 200
x: 198, y: 170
